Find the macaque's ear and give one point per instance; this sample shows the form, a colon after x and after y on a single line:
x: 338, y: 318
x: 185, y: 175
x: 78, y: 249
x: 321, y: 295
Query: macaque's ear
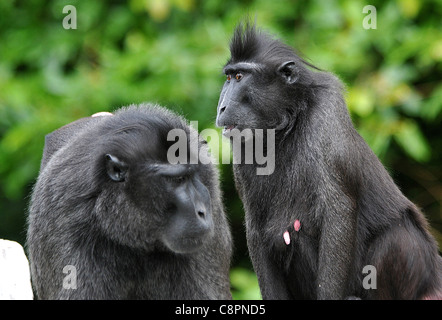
x: 288, y: 71
x: 115, y: 168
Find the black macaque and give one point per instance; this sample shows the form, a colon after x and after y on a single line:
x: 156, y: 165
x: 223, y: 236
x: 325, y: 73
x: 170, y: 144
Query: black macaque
x: 109, y: 209
x: 330, y: 207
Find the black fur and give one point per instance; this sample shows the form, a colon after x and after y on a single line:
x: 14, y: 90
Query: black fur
x: 351, y: 212
x: 108, y: 203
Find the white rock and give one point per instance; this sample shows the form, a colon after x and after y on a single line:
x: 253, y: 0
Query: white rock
x: 102, y: 114
x: 15, y: 279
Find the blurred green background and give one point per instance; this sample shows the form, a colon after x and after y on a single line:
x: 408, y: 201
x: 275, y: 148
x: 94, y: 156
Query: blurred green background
x: 172, y: 52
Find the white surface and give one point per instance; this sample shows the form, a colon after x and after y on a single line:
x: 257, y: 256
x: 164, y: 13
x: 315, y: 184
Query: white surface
x: 15, y: 279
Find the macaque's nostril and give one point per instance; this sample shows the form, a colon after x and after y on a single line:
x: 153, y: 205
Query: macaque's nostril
x: 222, y: 109
x: 201, y: 214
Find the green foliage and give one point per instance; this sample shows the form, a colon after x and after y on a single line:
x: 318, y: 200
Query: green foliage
x: 244, y: 284
x: 172, y: 51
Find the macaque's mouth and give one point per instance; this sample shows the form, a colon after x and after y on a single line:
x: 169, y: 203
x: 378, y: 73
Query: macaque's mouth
x: 228, y: 128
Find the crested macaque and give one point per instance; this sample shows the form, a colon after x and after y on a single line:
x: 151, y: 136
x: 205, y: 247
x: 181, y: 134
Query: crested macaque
x: 329, y: 208
x: 111, y: 218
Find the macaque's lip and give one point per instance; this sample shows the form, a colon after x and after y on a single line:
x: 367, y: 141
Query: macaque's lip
x: 228, y: 128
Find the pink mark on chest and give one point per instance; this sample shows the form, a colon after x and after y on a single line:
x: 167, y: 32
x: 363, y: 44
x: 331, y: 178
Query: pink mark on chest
x: 286, y: 236
x: 297, y: 225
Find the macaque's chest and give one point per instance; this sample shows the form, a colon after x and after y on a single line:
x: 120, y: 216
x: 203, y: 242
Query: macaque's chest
x: 293, y: 252
x: 296, y: 255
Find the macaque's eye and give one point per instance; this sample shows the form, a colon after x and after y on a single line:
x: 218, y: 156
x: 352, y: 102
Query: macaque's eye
x: 238, y: 76
x: 229, y: 77
x: 178, y: 179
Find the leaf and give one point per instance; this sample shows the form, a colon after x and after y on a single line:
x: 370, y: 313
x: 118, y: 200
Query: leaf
x: 361, y: 101
x: 433, y: 106
x: 245, y: 284
x: 412, y: 141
